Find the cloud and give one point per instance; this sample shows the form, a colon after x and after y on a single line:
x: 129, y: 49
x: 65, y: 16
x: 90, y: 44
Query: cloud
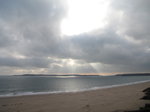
x: 135, y: 17
x: 123, y: 45
x: 27, y: 62
x: 31, y: 41
x: 31, y: 23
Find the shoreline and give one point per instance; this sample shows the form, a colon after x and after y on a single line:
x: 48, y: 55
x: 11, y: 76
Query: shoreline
x: 116, y: 99
x: 67, y: 92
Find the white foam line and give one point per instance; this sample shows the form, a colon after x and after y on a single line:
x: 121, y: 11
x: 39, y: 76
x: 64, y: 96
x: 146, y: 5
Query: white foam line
x: 76, y: 91
x: 120, y: 85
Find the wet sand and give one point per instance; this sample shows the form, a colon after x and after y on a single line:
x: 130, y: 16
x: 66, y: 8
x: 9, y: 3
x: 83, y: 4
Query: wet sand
x: 116, y: 99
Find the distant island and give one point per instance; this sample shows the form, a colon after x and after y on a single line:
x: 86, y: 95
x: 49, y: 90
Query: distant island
x: 125, y: 74
x: 134, y: 74
x: 54, y: 75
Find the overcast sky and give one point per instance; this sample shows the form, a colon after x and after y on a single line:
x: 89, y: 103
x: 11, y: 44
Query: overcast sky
x: 32, y: 39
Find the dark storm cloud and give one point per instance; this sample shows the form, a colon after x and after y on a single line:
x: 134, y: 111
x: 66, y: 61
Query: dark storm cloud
x: 31, y: 28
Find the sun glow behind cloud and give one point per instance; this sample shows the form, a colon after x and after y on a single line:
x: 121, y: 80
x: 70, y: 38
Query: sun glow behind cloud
x: 84, y: 16
x: 74, y: 36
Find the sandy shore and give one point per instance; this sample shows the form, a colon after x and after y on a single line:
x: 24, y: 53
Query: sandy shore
x: 114, y: 99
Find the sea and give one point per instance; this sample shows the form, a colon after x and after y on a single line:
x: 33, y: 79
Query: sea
x: 32, y: 85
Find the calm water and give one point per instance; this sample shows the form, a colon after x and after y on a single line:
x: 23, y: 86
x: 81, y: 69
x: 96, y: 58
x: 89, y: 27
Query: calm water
x: 23, y: 85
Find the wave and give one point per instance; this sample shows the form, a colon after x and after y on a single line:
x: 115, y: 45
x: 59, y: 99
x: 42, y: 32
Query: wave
x: 13, y: 94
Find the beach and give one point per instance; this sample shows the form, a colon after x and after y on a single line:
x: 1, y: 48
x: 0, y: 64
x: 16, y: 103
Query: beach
x: 116, y: 99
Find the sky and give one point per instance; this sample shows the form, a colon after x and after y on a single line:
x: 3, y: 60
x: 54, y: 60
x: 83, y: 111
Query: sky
x: 74, y: 36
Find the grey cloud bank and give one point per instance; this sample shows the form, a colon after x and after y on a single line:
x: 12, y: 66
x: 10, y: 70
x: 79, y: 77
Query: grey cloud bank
x: 31, y: 41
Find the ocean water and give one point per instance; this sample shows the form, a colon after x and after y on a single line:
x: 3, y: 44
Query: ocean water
x: 27, y: 85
